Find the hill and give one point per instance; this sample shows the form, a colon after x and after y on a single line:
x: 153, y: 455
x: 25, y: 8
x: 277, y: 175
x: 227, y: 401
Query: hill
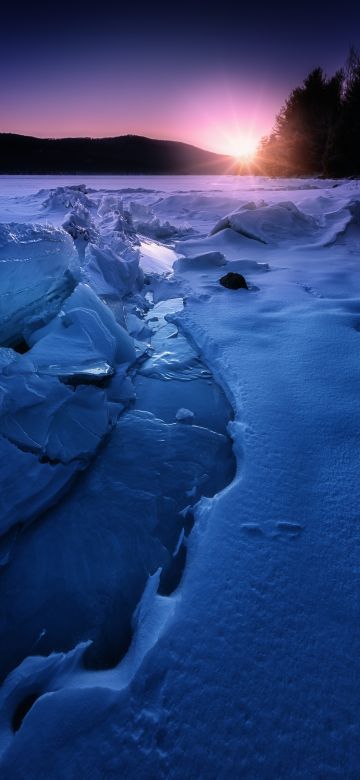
x: 21, y: 154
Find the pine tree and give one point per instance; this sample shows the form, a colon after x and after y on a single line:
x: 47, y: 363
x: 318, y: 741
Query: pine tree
x: 300, y: 138
x: 343, y: 153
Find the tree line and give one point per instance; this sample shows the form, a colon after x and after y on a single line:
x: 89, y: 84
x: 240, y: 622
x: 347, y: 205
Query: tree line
x: 318, y: 129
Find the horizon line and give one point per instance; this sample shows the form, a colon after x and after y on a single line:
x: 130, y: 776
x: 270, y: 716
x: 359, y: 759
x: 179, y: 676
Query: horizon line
x: 114, y: 137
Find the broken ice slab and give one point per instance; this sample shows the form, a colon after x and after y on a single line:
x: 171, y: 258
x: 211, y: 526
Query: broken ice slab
x: 41, y: 484
x: 94, y: 372
x: 83, y: 338
x: 85, y: 565
x: 44, y: 416
x: 112, y: 270
x: 48, y: 421
x: 39, y: 266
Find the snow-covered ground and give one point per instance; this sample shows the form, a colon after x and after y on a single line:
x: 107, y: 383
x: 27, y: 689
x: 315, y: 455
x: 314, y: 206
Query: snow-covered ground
x: 180, y: 489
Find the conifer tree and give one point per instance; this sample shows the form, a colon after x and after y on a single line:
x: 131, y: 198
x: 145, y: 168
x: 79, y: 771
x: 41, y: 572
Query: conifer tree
x: 343, y: 153
x: 303, y: 128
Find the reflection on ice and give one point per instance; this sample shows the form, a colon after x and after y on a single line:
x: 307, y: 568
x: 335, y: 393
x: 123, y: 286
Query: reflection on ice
x: 155, y: 257
x: 191, y: 385
x: 169, y: 306
x: 173, y: 356
x: 93, y: 371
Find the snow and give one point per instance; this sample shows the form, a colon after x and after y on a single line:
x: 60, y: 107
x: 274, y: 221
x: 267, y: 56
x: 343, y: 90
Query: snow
x: 187, y: 607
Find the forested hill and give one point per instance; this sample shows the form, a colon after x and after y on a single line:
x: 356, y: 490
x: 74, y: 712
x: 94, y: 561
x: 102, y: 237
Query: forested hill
x: 124, y: 154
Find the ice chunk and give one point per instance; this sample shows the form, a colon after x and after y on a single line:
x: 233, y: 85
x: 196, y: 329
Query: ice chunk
x: 83, y: 339
x: 137, y: 327
x: 184, y: 416
x: 48, y: 431
x: 45, y: 423
x: 38, y: 268
x: 154, y: 228
x: 27, y: 486
x: 48, y: 428
x: 112, y: 270
x: 79, y: 224
x: 67, y: 197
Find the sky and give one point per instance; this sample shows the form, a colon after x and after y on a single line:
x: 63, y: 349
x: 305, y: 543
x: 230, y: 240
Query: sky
x: 213, y: 76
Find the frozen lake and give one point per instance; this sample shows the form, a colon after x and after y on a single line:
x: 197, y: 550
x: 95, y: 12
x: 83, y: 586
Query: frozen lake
x: 180, y: 476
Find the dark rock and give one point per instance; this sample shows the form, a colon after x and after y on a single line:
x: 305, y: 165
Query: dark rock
x: 234, y: 281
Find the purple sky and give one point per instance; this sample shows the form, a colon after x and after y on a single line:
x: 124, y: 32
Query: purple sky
x: 212, y: 78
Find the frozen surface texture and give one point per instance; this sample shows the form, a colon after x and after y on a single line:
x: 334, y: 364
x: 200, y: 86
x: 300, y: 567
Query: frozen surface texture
x: 169, y: 613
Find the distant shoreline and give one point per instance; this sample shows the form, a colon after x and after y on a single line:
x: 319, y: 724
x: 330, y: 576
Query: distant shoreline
x: 125, y: 155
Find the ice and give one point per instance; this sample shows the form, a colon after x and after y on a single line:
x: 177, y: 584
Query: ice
x: 156, y: 258
x: 172, y: 613
x: 41, y: 485
x: 185, y: 415
x: 84, y: 568
x: 48, y: 431
x: 112, y: 272
x: 66, y: 197
x: 83, y: 339
x: 53, y: 413
x: 80, y: 224
x: 38, y: 269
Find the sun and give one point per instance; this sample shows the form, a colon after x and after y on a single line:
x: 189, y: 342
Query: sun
x: 234, y: 139
x: 243, y: 148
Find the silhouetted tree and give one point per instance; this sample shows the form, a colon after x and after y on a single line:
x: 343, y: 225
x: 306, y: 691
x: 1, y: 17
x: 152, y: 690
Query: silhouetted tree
x: 342, y: 156
x: 303, y: 127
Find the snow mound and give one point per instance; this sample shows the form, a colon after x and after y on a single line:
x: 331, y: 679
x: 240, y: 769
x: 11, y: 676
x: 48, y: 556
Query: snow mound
x: 351, y: 221
x: 270, y: 224
x: 137, y: 218
x: 39, y: 266
x: 284, y: 224
x: 203, y: 262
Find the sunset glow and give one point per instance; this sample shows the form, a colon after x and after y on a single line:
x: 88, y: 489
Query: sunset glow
x: 124, y: 77
x: 243, y: 148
